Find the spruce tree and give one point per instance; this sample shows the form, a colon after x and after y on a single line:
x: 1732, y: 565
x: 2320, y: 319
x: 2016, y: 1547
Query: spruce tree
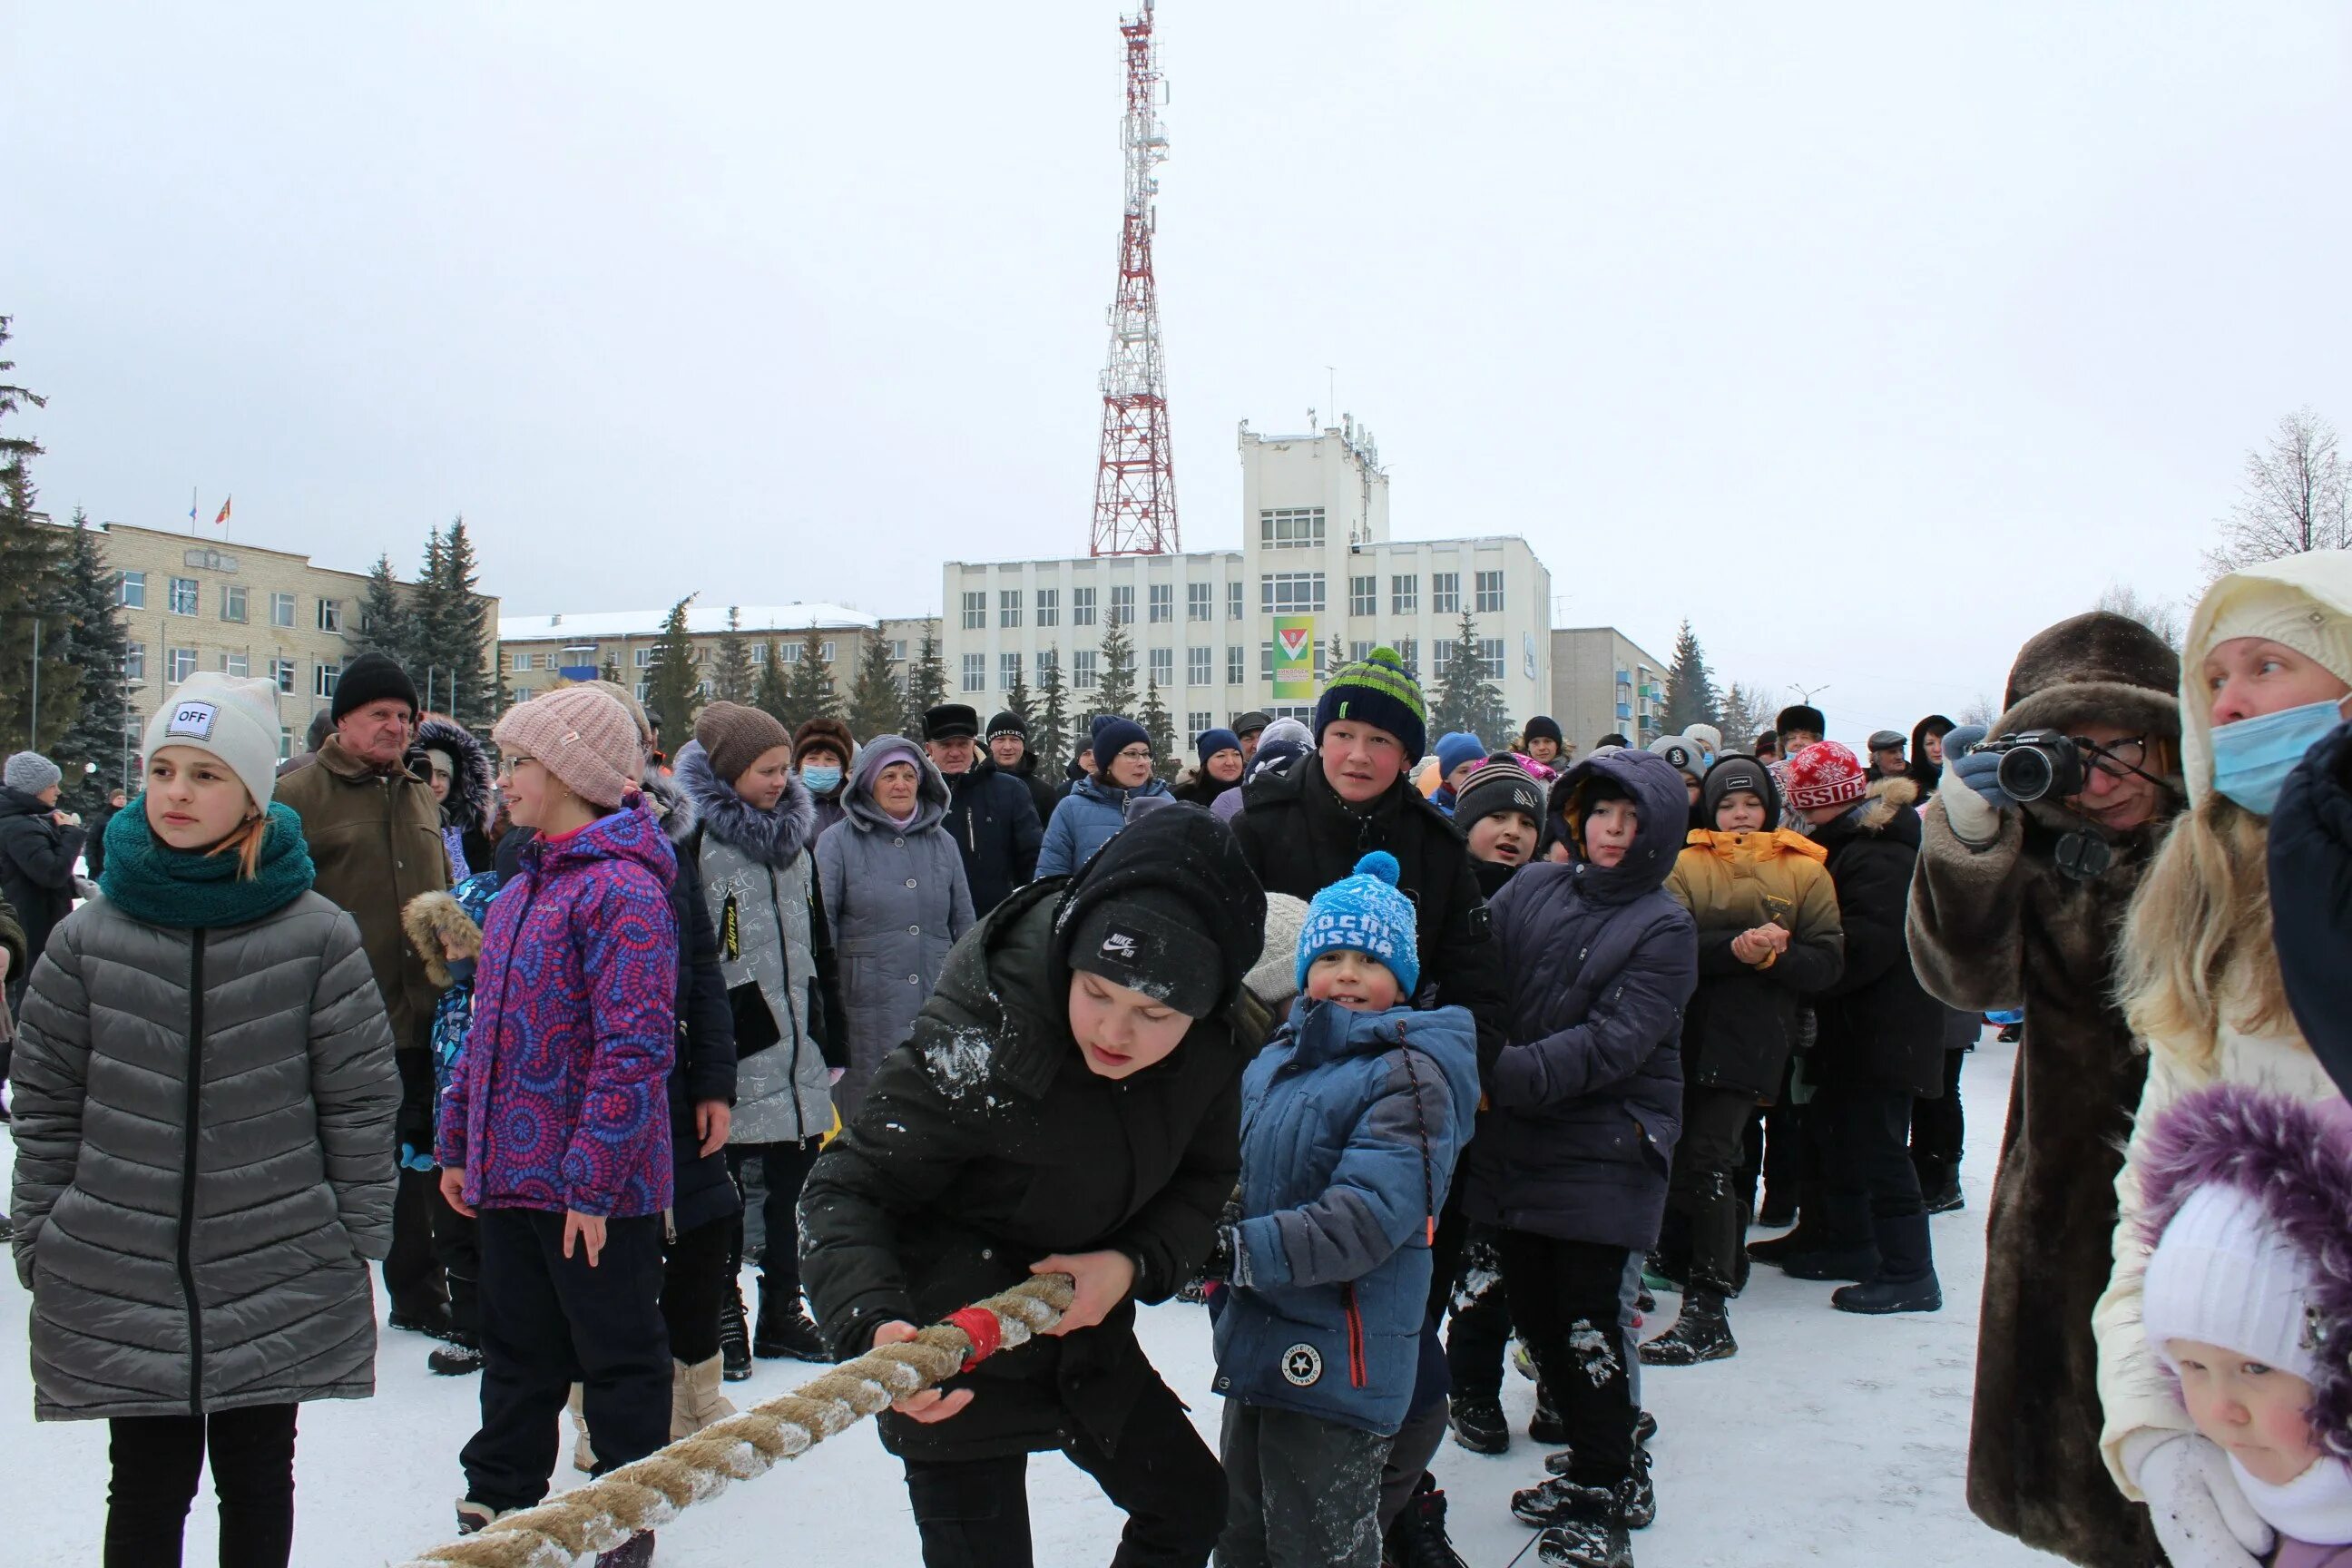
x: 876, y: 705
x: 32, y: 574
x: 1020, y: 699
x: 468, y: 635
x: 732, y: 676
x: 1116, y: 694
x: 1049, y: 732
x: 927, y: 683
x: 384, y: 617
x: 1466, y: 699
x: 611, y: 670
x: 1161, y: 727
x: 809, y: 694
x: 1690, y: 695
x: 671, y: 684
x: 771, y: 696
x: 95, y: 650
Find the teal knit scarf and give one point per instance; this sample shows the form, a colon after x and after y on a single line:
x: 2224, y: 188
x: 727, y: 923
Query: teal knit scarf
x: 150, y: 880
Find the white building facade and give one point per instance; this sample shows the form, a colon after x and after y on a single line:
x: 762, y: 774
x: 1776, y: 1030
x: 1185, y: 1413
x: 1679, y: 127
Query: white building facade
x: 1225, y: 631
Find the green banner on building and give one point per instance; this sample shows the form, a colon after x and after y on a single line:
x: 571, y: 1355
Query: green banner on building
x: 1294, y: 657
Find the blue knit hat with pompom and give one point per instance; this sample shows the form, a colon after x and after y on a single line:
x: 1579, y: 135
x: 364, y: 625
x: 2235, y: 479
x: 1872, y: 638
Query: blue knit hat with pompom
x: 1364, y: 913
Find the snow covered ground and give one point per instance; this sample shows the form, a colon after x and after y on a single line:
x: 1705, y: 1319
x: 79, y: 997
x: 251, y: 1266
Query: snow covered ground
x: 1829, y: 1439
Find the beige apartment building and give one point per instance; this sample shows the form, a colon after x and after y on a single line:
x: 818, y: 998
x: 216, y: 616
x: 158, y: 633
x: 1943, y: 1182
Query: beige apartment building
x: 1602, y: 682
x: 538, y: 653
x: 190, y: 604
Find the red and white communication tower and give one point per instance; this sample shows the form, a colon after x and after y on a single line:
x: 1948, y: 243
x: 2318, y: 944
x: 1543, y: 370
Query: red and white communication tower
x: 1134, y: 487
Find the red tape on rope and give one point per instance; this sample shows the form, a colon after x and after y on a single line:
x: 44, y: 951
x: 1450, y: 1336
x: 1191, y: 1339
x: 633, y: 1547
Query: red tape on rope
x: 981, y: 1326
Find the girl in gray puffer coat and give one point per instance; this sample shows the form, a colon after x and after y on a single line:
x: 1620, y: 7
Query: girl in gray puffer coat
x: 752, y: 847
x: 892, y: 882
x: 204, y: 1126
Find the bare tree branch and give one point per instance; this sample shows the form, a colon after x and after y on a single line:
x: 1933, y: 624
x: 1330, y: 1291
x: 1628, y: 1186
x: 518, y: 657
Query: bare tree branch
x: 2295, y: 498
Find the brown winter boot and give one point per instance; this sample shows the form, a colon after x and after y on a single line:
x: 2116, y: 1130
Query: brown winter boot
x: 584, y: 1458
x: 694, y: 1401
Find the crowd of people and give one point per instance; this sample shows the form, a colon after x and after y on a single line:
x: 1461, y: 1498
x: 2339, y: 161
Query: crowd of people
x: 1385, y: 1052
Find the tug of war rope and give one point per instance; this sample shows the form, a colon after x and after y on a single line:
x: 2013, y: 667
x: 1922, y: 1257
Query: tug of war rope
x: 654, y: 1490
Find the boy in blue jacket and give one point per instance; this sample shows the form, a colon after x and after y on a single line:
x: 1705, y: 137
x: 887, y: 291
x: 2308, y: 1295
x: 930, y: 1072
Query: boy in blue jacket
x: 1351, y: 1119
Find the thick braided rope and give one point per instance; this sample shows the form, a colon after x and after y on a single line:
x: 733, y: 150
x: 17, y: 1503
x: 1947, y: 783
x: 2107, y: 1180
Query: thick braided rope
x: 651, y: 1492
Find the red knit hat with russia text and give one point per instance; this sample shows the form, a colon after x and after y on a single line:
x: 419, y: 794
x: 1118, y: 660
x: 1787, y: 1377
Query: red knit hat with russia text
x: 1826, y: 773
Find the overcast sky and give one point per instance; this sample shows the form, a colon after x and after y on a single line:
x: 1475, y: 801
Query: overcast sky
x: 1871, y: 338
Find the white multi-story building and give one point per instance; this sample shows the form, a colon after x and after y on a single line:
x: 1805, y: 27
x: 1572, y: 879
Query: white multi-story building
x: 1317, y: 576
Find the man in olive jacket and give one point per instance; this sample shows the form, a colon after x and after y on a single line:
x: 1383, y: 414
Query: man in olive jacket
x: 374, y: 833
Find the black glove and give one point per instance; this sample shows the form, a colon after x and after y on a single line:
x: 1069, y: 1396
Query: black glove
x: 1222, y: 1256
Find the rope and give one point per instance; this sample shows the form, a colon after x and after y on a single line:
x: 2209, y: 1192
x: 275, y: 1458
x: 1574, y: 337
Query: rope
x: 654, y: 1490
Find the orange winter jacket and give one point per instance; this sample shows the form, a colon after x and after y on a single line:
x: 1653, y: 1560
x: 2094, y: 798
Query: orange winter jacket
x: 1740, y: 1025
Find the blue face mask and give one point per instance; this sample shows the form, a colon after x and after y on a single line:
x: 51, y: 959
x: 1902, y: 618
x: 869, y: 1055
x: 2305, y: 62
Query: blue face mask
x: 821, y: 779
x: 2252, y: 757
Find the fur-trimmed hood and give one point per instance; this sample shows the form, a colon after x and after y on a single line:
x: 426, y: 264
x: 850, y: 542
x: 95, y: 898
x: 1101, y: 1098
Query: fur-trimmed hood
x: 931, y: 797
x: 1886, y: 796
x: 473, y: 790
x: 435, y: 923
x: 2294, y: 1158
x: 671, y: 806
x: 774, y: 837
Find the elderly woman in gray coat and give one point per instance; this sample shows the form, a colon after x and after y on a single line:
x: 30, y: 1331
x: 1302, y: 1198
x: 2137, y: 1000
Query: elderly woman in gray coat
x: 204, y: 1126
x: 894, y: 890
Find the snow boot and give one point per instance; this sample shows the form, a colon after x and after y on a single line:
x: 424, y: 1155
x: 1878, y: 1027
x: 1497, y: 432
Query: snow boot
x: 430, y: 1319
x: 1641, y: 1493
x: 694, y: 1401
x: 734, y: 1336
x: 637, y: 1552
x: 1587, y: 1530
x: 1939, y: 1187
x: 1645, y: 1426
x: 456, y: 1358
x: 1777, y: 1209
x: 1907, y: 1282
x: 584, y: 1458
x: 1478, y: 1423
x: 1546, y: 1426
x: 2010, y: 1034
x: 783, y: 1328
x: 1703, y: 1332
x: 473, y: 1518
x: 1417, y: 1538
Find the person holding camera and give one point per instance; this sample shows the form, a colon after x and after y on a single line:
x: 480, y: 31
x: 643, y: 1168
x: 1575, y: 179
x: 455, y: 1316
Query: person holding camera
x: 2267, y: 668
x: 2013, y: 904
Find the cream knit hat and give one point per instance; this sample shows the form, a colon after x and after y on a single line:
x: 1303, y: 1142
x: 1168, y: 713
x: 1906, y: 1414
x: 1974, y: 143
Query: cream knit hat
x: 582, y: 736
x: 235, y: 720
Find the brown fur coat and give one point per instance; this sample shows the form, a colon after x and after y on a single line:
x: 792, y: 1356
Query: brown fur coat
x: 1999, y: 927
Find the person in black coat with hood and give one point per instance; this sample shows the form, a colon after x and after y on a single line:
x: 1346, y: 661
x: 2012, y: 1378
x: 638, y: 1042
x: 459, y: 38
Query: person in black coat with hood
x: 1880, y: 1045
x: 2311, y: 899
x: 1068, y: 1100
x: 992, y: 816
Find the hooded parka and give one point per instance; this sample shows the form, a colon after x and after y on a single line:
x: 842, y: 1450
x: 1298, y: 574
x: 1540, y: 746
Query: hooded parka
x: 471, y: 807
x: 204, y: 1126
x: 37, y: 861
x: 1085, y: 821
x: 1584, y: 1103
x: 759, y: 884
x: 987, y: 1143
x: 1878, y: 1027
x: 895, y: 901
x: 1997, y: 925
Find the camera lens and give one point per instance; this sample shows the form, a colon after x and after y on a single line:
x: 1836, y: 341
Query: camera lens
x: 2024, y: 774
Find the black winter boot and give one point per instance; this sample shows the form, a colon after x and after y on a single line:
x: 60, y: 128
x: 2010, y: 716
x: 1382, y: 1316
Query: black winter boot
x: 734, y: 1337
x: 1546, y: 1426
x: 1590, y: 1531
x: 1939, y: 1185
x: 1645, y: 1426
x: 1907, y: 1282
x: 1703, y: 1332
x: 784, y: 1329
x: 462, y: 1354
x: 1478, y: 1423
x: 1417, y: 1538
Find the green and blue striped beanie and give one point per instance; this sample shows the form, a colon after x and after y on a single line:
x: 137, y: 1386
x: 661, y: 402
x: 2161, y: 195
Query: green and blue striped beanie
x: 1376, y: 691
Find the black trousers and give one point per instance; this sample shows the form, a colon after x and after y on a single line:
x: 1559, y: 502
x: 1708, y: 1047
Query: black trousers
x: 1705, y: 1198
x: 157, y: 1461
x: 549, y: 1321
x: 1568, y: 1299
x: 412, y: 1272
x: 1865, y: 1139
x: 975, y: 1513
x: 697, y: 1269
x: 457, y: 1247
x: 783, y: 1167
x: 1939, y: 1130
x: 1304, y: 1492
x: 1480, y: 1326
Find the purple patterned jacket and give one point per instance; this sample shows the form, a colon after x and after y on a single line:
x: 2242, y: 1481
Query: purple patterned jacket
x: 557, y: 1101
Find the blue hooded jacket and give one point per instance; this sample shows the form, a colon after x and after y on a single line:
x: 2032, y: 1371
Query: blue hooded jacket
x: 1351, y: 1125
x: 1585, y: 1101
x: 1085, y: 821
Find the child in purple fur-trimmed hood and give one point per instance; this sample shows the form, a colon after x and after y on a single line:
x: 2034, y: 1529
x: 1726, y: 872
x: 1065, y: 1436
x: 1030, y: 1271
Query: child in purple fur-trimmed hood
x: 2248, y: 1304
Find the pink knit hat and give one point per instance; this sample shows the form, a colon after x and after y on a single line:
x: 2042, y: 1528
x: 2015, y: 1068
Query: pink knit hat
x: 582, y: 736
